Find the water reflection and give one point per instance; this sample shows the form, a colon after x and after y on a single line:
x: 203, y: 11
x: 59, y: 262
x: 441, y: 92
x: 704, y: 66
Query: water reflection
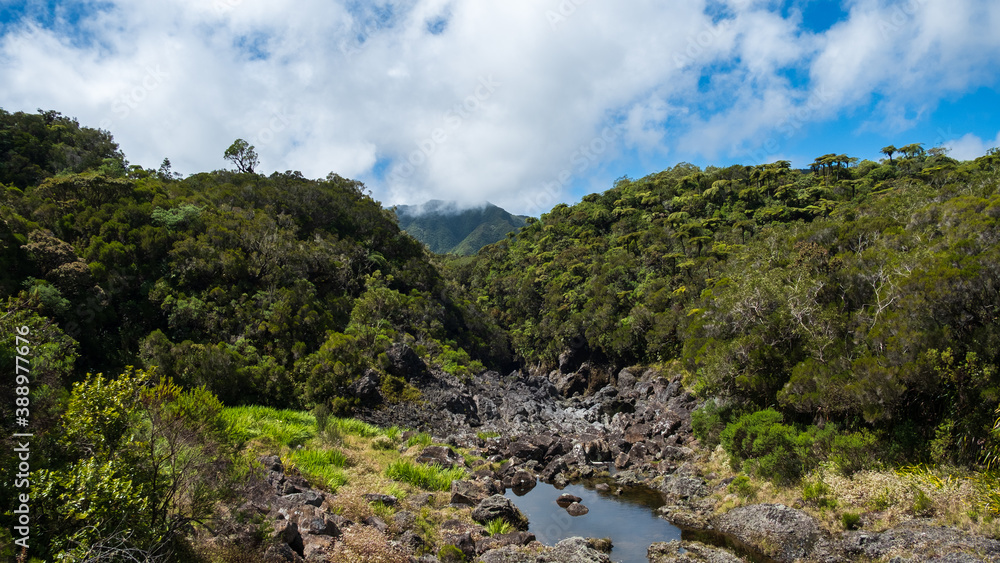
x: 628, y: 519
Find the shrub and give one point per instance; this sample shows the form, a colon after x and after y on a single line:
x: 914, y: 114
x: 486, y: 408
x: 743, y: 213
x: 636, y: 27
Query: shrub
x: 922, y: 504
x: 854, y: 451
x: 430, y: 477
x: 816, y: 492
x: 772, y: 449
x: 383, y: 443
x: 708, y: 421
x: 850, y: 520
x: 742, y: 486
x: 450, y: 554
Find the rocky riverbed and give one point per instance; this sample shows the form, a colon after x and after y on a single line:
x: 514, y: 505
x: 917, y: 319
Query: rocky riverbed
x: 574, y: 423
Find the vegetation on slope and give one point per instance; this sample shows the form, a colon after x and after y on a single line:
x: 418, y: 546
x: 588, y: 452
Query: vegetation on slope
x: 864, y: 295
x: 445, y: 229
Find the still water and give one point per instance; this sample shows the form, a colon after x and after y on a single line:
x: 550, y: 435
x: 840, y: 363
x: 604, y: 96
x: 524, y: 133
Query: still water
x: 628, y: 519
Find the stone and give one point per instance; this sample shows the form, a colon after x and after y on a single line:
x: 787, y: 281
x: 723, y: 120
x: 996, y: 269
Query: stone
x: 567, y: 499
x: 694, y: 552
x: 503, y: 540
x: 779, y: 532
x: 573, y: 550
x: 469, y: 492
x: 499, y: 506
x: 313, y: 498
x: 318, y: 548
x: 368, y: 388
x: 387, y: 500
x: 440, y: 455
x: 577, y: 509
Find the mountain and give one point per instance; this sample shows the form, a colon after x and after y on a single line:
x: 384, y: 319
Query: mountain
x: 447, y: 229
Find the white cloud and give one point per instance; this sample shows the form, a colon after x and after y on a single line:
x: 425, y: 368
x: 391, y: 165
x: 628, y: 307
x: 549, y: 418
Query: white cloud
x: 318, y: 87
x: 970, y: 147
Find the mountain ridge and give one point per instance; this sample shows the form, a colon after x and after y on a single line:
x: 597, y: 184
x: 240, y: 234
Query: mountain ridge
x: 464, y: 232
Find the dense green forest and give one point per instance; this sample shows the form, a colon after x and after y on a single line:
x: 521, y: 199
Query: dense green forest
x: 860, y: 292
x: 839, y: 311
x: 447, y: 229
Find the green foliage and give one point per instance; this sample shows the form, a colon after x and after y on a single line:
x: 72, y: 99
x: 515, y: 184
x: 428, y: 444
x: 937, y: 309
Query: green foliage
x: 922, y: 504
x: 855, y: 451
x: 451, y: 554
x: 429, y: 477
x: 769, y: 448
x: 269, y: 426
x: 323, y: 466
x: 498, y: 526
x: 445, y: 229
x: 419, y: 439
x: 817, y: 493
x: 850, y: 520
x: 709, y: 420
x: 742, y: 486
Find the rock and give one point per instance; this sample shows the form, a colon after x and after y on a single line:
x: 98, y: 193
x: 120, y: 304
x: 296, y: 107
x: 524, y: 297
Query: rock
x: 573, y: 550
x: 404, y: 520
x: 471, y: 492
x: 404, y: 362
x: 676, y: 488
x: 324, y: 526
x: 779, y: 532
x: 463, y: 542
x: 694, y: 552
x: 509, y: 554
x: 387, y: 500
x: 603, y: 487
x: 272, y: 463
x: 499, y: 506
x: 523, y: 449
x: 440, y: 455
x: 286, y: 531
x: 567, y: 499
x: 577, y: 509
x: 313, y: 498
x: 368, y: 388
x: 921, y: 541
x: 318, y: 548
x: 572, y: 383
x: 281, y: 553
x: 503, y: 540
x: 377, y: 523
x: 554, y: 468
x: 411, y: 540
x: 522, y: 482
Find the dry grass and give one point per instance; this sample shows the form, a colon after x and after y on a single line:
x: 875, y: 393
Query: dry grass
x: 364, y: 544
x: 883, y: 499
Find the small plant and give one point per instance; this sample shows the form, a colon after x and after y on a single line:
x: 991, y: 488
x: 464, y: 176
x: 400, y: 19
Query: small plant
x: 882, y: 501
x: 850, y: 520
x: 393, y: 433
x: 922, y: 504
x: 743, y: 487
x: 816, y: 492
x: 421, y: 439
x: 487, y: 435
x: 450, y: 554
x: 383, y: 443
x: 382, y: 510
x: 498, y: 526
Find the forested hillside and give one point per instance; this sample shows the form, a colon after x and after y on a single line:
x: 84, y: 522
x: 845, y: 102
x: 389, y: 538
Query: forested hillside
x: 446, y: 229
x: 860, y: 292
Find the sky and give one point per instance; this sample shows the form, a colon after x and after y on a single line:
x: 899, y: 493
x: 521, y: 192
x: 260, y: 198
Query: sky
x: 523, y: 103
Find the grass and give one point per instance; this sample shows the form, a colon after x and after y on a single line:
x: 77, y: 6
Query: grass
x: 421, y: 439
x: 430, y: 477
x: 487, y: 435
x: 354, y: 427
x: 498, y: 526
x: 268, y: 427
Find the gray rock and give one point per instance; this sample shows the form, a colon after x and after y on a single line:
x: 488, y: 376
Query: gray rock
x: 318, y: 548
x: 509, y: 554
x: 577, y: 509
x: 573, y: 550
x: 499, y: 506
x: 779, y: 532
x: 387, y: 500
x: 471, y: 492
x: 440, y: 455
x: 677, y: 488
x: 313, y: 498
x: 503, y: 540
x: 404, y: 362
x: 694, y: 552
x: 368, y: 388
x: 281, y: 553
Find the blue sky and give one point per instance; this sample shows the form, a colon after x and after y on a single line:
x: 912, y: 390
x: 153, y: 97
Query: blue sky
x: 525, y: 103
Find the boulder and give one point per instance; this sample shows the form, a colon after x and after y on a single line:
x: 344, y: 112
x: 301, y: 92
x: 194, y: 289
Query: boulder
x: 368, y: 388
x: 387, y: 500
x: 577, y: 509
x: 313, y: 498
x: 499, y: 506
x: 523, y: 449
x: 404, y: 362
x: 573, y: 550
x: 777, y: 531
x: 318, y: 548
x: 472, y: 492
x: 508, y: 554
x: 693, y: 552
x: 503, y: 540
x: 567, y: 499
x: 440, y: 455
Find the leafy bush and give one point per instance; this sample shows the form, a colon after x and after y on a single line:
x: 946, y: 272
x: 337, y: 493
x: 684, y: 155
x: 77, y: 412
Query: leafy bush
x: 430, y: 477
x: 450, y: 554
x: 742, y: 486
x: 769, y: 448
x: 854, y: 451
x: 850, y: 520
x: 922, y: 504
x: 816, y: 492
x: 708, y: 422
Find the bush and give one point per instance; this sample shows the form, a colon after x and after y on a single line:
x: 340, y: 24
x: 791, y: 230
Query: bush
x: 708, y: 422
x: 850, y: 520
x: 742, y: 486
x: 450, y: 554
x: 770, y: 449
x: 815, y: 492
x: 854, y: 451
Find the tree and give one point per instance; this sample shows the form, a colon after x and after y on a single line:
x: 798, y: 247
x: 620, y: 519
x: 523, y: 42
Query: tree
x: 889, y: 151
x: 241, y: 154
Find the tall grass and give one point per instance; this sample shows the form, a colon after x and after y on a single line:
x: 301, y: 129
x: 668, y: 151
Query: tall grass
x: 272, y: 427
x: 422, y: 439
x: 338, y: 425
x: 430, y: 477
x: 321, y: 465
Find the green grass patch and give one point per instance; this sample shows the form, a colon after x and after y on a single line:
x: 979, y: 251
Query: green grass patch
x: 273, y: 427
x: 324, y: 466
x: 430, y: 477
x: 487, y: 435
x: 421, y: 439
x: 498, y: 526
x: 353, y: 426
